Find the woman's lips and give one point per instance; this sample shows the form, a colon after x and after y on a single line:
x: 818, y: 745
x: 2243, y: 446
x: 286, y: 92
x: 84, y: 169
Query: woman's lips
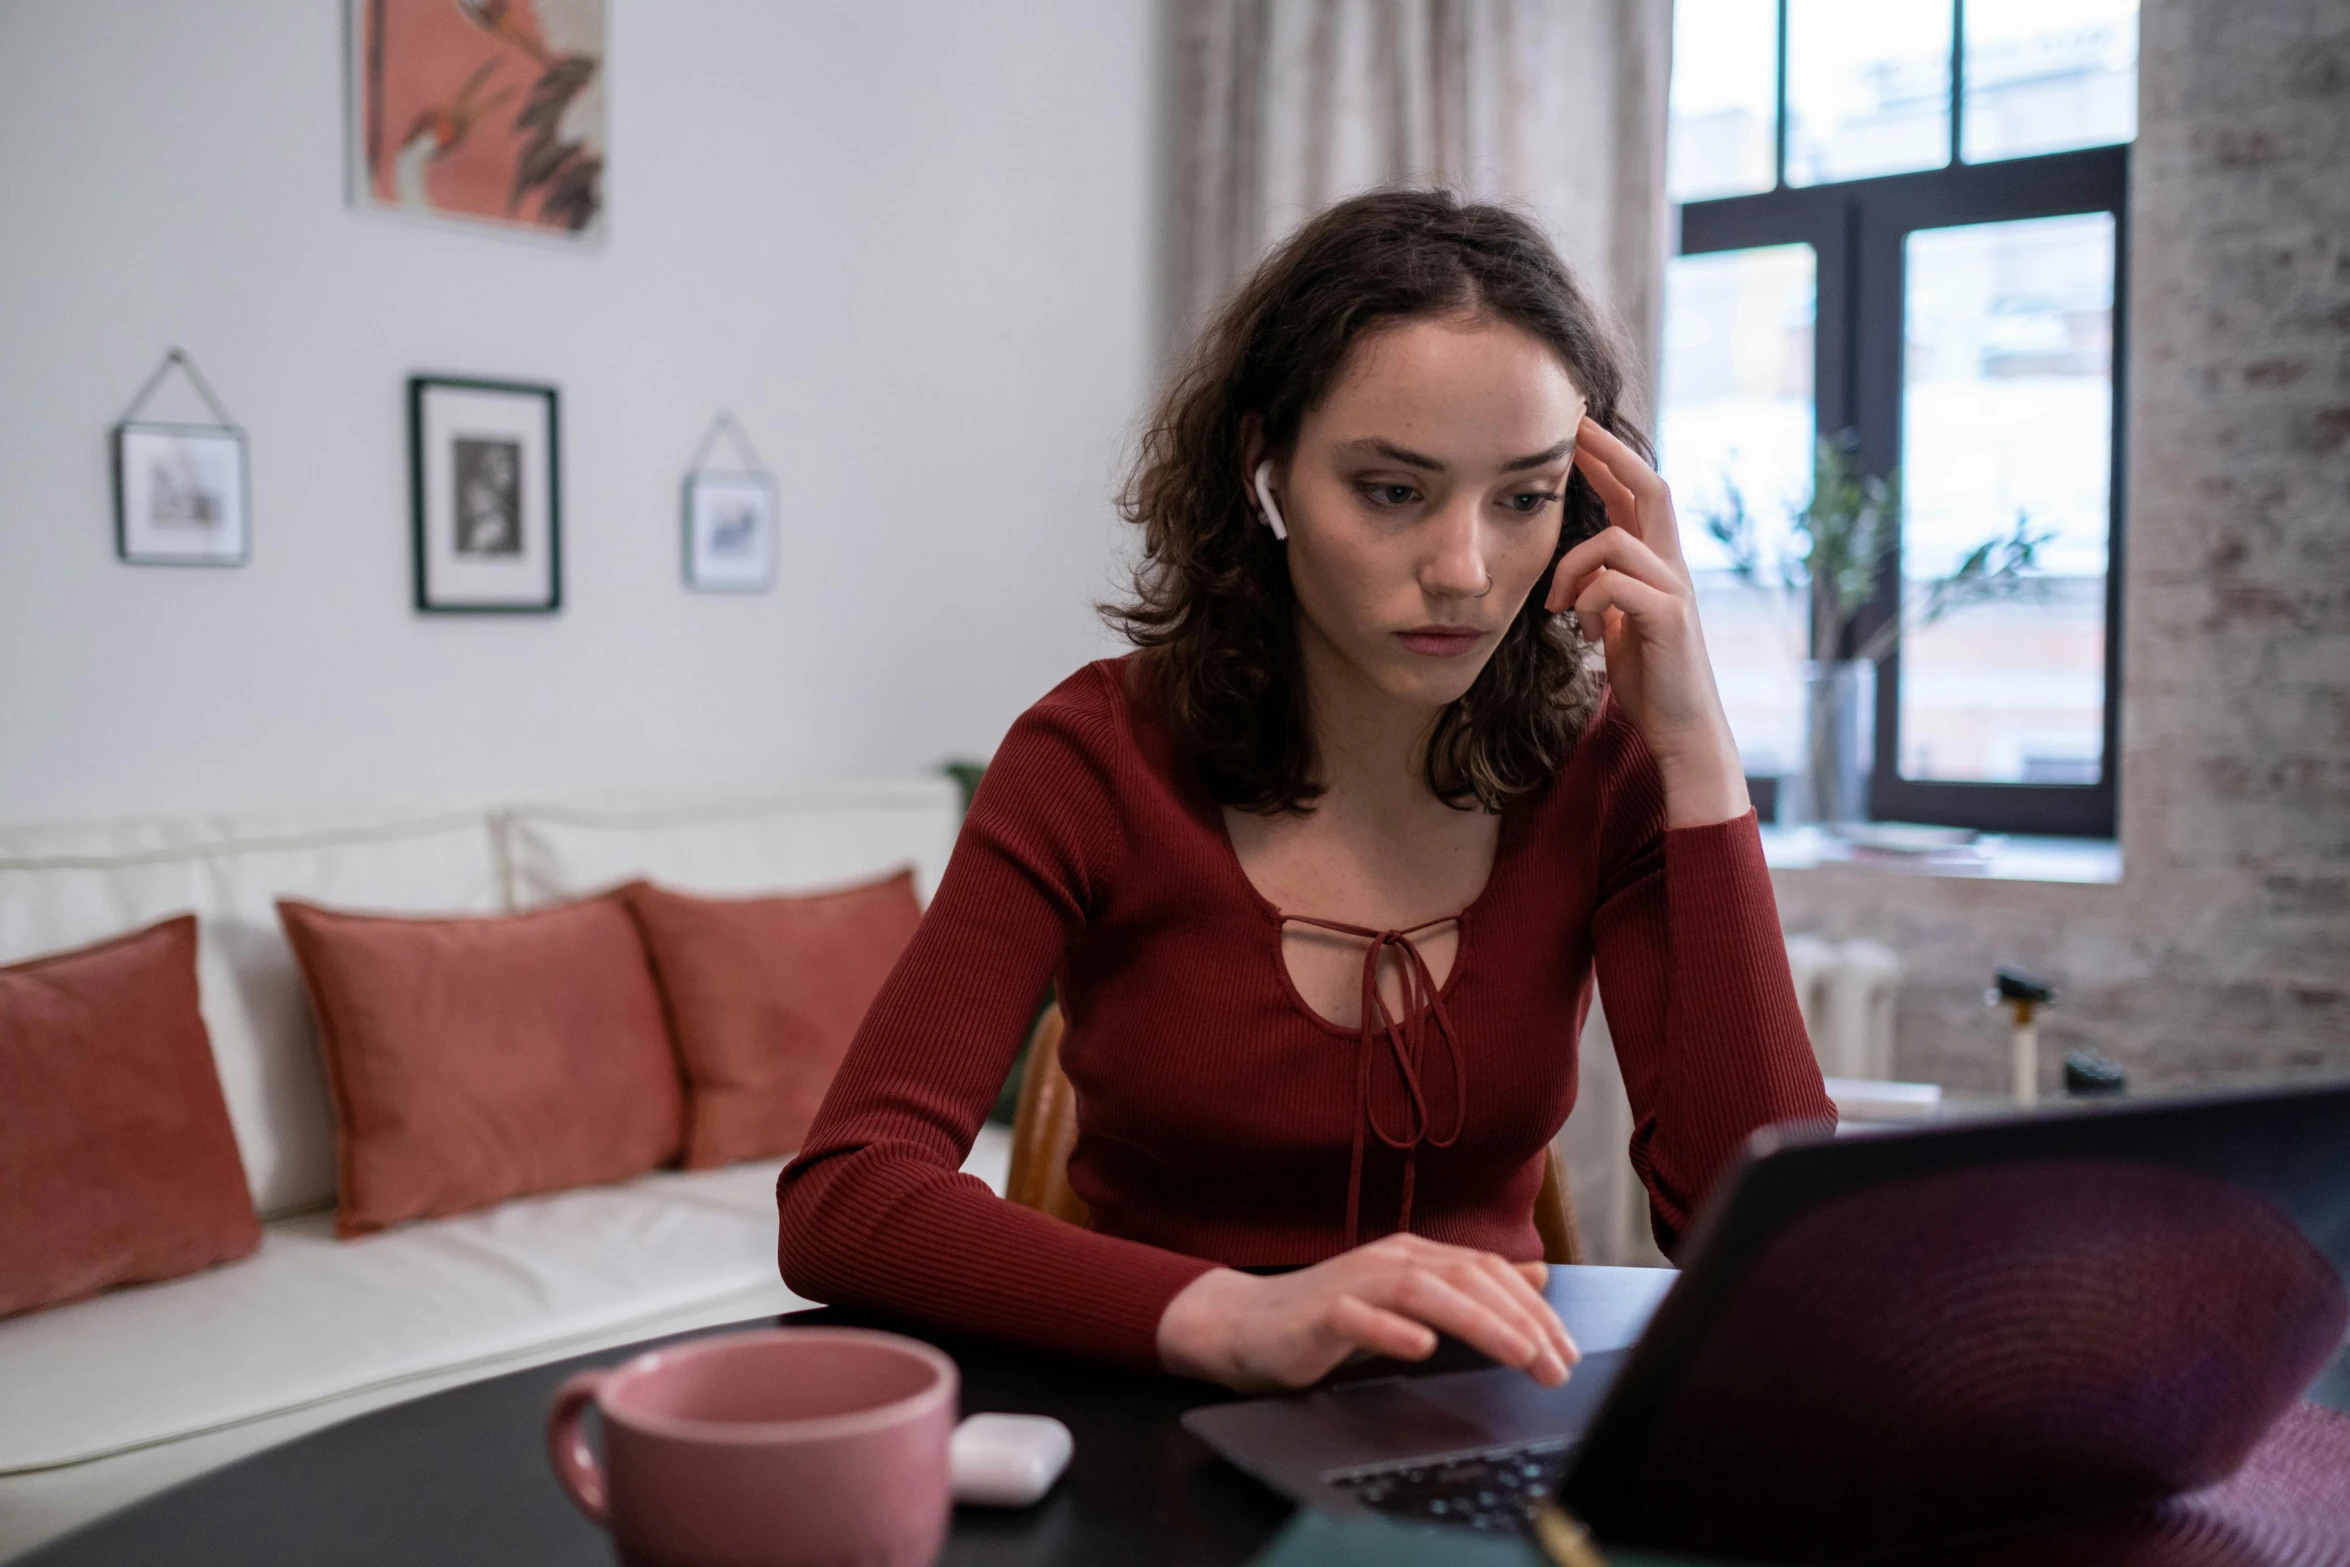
x: 1441, y: 641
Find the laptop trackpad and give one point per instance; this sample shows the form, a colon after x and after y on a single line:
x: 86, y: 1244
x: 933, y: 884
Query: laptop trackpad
x: 1380, y: 1420
x: 1510, y: 1406
x: 1457, y: 1411
x: 1291, y: 1441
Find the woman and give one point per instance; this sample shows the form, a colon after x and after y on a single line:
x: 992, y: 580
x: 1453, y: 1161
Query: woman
x: 1322, y: 872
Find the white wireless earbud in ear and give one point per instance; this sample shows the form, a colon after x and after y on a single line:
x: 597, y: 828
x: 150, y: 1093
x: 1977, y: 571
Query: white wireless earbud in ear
x: 1265, y: 499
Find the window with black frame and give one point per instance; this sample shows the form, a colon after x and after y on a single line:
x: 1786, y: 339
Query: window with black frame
x: 1902, y: 225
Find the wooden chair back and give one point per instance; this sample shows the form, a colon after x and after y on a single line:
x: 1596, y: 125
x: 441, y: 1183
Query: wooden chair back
x: 1044, y: 1130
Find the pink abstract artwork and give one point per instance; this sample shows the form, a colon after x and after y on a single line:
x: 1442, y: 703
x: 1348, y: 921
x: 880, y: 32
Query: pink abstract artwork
x: 489, y: 110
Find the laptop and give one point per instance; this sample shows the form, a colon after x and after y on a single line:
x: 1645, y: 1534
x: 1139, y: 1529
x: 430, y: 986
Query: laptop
x: 1888, y: 1339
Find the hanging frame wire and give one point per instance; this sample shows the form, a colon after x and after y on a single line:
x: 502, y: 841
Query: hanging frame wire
x: 727, y: 425
x: 177, y: 356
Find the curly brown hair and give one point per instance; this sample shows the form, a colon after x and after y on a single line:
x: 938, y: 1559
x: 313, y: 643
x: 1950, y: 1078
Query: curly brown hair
x: 1212, y: 606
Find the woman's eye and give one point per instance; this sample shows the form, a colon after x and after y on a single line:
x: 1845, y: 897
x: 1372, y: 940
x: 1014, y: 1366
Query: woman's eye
x: 1392, y: 494
x: 1528, y: 502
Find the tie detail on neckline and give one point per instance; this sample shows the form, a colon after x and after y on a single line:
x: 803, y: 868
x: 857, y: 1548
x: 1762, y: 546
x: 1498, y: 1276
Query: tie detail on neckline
x: 1405, y: 1055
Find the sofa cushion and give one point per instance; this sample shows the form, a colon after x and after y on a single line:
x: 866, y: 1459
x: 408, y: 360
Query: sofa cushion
x: 814, y: 838
x: 473, y: 1060
x: 67, y: 886
x: 308, y: 1318
x: 764, y: 995
x: 116, y: 1158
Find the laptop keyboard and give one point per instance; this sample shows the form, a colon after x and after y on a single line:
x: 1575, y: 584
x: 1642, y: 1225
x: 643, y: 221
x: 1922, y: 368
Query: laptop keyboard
x: 1494, y: 1491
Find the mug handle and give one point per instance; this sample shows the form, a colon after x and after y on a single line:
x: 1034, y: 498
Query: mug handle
x: 567, y: 1447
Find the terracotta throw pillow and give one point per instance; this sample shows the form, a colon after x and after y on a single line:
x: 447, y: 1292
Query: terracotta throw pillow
x: 765, y: 995
x: 117, y: 1164
x: 476, y: 1059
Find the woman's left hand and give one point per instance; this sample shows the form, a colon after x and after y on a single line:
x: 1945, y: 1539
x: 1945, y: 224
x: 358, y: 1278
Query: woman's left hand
x: 1631, y: 589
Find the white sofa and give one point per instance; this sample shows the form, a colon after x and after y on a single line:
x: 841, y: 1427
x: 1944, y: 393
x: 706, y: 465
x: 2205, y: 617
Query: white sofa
x: 105, y: 1400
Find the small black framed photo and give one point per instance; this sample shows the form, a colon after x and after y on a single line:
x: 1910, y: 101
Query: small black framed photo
x: 486, y: 491
x: 730, y: 544
x: 180, y: 495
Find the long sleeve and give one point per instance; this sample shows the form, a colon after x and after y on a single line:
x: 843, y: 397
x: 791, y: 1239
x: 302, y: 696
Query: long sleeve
x: 874, y: 1211
x: 1693, y: 971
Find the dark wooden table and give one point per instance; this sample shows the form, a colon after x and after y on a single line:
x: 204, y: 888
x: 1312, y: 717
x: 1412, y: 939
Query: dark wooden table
x: 461, y: 1477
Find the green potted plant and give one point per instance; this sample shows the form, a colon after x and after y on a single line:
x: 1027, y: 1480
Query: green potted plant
x: 1837, y: 548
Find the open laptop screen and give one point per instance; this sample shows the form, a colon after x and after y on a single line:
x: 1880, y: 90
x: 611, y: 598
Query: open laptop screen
x: 1884, y: 1341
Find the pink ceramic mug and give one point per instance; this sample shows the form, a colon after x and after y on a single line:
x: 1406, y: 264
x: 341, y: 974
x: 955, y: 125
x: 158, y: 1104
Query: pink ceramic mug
x: 790, y: 1447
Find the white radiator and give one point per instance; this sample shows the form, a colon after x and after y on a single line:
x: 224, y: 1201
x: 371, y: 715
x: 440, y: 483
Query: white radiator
x: 1847, y: 990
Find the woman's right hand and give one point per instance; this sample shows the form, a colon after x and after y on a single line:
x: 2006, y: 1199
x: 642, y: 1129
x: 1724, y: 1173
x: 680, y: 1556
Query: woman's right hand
x: 1391, y: 1297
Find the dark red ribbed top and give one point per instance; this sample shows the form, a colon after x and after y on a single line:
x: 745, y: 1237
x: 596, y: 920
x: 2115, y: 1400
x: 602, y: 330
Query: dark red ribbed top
x: 1223, y: 1121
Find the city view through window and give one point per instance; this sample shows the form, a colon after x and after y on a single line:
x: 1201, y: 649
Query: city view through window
x: 2006, y: 358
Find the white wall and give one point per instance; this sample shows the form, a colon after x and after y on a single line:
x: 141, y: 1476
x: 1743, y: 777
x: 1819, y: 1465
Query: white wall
x: 908, y: 242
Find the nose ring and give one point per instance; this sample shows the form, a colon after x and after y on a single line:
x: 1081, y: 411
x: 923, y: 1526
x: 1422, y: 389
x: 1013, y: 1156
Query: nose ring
x: 1488, y: 588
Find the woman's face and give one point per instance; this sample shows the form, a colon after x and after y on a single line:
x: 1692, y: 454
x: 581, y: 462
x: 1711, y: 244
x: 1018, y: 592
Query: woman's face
x: 1423, y: 500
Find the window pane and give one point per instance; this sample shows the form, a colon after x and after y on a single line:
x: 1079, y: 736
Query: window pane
x: 1868, y: 88
x: 2045, y: 75
x: 1723, y: 140
x: 1736, y: 415
x: 2007, y: 406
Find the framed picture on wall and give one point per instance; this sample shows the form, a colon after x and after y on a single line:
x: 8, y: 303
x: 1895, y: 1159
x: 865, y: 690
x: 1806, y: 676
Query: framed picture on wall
x: 180, y: 494
x: 480, y: 113
x: 730, y: 532
x: 486, y: 495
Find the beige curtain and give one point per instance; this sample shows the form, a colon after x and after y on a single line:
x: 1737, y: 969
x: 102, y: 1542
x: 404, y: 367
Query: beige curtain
x: 1281, y: 107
